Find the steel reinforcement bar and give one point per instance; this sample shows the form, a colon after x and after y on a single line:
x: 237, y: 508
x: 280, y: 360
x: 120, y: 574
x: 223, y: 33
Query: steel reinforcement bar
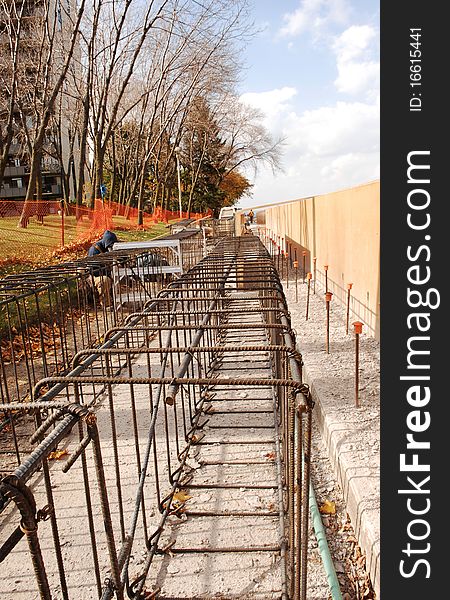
x: 130, y: 469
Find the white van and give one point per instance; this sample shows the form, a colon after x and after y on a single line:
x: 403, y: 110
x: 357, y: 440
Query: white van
x: 227, y: 212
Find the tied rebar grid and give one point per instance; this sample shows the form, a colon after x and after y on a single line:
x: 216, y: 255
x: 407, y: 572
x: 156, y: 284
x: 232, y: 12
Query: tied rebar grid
x: 204, y: 379
x: 49, y: 314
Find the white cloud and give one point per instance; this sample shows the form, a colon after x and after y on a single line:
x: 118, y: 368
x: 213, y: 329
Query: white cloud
x: 314, y: 15
x: 353, y: 41
x: 332, y: 130
x: 272, y: 103
x: 358, y: 71
x: 327, y: 148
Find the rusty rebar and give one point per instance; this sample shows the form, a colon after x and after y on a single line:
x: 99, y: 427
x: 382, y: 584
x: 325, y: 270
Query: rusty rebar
x: 195, y: 330
x: 328, y: 296
x: 357, y: 326
x: 314, y: 273
x: 349, y: 287
x: 308, y: 277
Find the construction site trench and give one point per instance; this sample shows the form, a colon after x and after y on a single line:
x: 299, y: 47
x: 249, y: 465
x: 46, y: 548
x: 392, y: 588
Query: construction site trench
x: 166, y: 449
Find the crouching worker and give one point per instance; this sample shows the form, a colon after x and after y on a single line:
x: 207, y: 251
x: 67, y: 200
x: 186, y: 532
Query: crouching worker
x: 101, y: 276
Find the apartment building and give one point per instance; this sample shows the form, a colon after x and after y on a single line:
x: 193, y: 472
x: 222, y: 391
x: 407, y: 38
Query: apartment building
x: 57, y: 157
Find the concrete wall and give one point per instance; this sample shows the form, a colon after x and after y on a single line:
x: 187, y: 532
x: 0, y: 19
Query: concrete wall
x: 342, y: 230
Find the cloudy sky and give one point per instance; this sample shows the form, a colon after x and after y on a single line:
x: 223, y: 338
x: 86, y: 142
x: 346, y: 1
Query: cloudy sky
x: 313, y: 70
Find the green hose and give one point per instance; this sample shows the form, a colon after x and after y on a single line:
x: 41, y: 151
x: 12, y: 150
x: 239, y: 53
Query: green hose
x: 323, y: 546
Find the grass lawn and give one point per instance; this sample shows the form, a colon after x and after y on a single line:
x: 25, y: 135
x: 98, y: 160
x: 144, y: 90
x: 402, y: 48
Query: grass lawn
x: 21, y: 249
x: 29, y: 247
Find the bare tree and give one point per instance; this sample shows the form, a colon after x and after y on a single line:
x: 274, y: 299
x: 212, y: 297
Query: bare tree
x: 56, y: 50
x: 11, y: 20
x: 248, y: 142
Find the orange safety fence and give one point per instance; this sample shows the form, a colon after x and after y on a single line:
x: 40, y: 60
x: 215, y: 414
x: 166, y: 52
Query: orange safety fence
x: 49, y: 229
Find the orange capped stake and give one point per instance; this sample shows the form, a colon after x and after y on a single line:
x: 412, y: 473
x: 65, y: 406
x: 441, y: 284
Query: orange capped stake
x: 325, y: 268
x: 328, y: 296
x: 296, y: 274
x: 357, y: 326
x: 349, y: 286
x: 286, y: 256
x: 309, y: 276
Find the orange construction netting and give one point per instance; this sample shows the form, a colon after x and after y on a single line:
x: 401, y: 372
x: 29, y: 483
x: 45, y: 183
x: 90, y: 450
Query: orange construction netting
x: 48, y: 228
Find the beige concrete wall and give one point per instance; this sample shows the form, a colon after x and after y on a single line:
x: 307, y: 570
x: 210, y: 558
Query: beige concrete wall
x: 342, y: 230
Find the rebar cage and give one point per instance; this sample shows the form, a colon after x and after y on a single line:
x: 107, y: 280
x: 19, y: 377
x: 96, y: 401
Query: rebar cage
x: 128, y: 411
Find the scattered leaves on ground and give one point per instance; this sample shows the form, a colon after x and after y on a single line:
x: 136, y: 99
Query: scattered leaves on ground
x: 181, y: 497
x: 31, y: 344
x: 328, y: 508
x: 58, y: 454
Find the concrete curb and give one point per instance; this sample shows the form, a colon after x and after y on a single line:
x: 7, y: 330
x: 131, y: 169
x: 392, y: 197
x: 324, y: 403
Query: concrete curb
x: 359, y: 482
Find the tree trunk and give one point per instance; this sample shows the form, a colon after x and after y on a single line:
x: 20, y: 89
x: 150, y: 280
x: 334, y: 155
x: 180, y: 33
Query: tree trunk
x: 141, y: 194
x: 83, y: 147
x: 98, y: 173
x: 29, y: 197
x: 113, y: 194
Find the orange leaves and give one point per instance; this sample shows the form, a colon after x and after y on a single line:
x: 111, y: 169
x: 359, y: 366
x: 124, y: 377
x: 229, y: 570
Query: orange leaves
x: 15, y: 349
x: 58, y: 454
x: 328, y: 508
x: 75, y: 249
x: 181, y: 497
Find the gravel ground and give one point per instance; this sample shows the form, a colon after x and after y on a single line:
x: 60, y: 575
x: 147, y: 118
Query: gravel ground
x: 332, y: 376
x: 332, y: 380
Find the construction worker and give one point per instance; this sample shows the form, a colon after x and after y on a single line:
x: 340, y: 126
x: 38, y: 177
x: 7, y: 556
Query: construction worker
x: 101, y: 277
x: 106, y: 243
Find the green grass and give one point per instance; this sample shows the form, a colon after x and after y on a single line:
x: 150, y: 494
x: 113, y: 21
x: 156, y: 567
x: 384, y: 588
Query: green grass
x: 35, y: 243
x: 37, y: 240
x: 21, y: 248
x: 139, y: 236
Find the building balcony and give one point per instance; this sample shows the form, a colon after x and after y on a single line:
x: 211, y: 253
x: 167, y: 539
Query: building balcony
x: 16, y: 171
x: 14, y: 193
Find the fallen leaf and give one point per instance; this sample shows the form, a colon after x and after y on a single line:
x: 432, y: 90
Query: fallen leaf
x: 181, y: 497
x: 57, y: 454
x: 328, y: 508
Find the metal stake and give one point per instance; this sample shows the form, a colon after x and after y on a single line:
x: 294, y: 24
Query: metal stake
x: 286, y: 254
x: 308, y: 277
x: 328, y: 296
x: 296, y: 276
x: 349, y: 287
x: 315, y: 269
x: 357, y: 325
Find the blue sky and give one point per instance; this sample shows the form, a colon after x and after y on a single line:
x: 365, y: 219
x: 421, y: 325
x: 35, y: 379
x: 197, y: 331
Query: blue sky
x: 313, y: 71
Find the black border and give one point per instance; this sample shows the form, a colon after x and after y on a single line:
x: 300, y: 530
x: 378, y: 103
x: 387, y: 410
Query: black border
x: 403, y: 131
